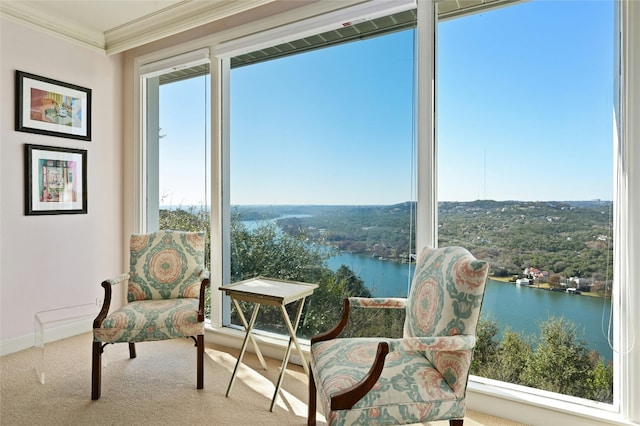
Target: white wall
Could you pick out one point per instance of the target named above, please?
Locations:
(47, 262)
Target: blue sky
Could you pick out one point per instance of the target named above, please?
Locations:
(332, 126)
(184, 113)
(524, 112)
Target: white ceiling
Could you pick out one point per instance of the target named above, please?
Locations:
(113, 26)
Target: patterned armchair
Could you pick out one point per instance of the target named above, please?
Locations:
(165, 296)
(423, 375)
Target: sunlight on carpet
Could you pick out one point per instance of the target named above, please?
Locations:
(261, 385)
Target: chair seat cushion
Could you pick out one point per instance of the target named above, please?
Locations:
(147, 320)
(409, 390)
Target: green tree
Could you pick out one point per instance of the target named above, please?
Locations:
(265, 251)
(486, 350)
(560, 362)
(601, 382)
(513, 357)
(354, 285)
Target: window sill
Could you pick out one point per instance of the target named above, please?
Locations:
(534, 406)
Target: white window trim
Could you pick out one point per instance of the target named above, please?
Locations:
(312, 26)
(629, 365)
(174, 63)
(427, 184)
(483, 396)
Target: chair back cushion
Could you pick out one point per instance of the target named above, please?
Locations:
(446, 293)
(165, 265)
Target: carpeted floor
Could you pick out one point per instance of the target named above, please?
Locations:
(156, 388)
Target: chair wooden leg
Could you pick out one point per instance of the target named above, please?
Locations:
(132, 350)
(96, 371)
(456, 422)
(311, 414)
(200, 367)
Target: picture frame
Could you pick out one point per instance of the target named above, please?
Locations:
(51, 107)
(55, 180)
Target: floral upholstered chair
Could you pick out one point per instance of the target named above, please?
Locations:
(423, 375)
(165, 296)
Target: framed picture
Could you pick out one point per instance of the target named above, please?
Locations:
(51, 107)
(55, 180)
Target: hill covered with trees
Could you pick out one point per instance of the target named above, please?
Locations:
(565, 239)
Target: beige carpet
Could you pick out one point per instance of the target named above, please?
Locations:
(156, 388)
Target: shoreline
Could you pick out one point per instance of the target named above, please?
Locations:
(507, 280)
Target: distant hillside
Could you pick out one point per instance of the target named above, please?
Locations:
(567, 239)
(564, 238)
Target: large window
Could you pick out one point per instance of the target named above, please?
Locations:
(525, 173)
(321, 173)
(326, 146)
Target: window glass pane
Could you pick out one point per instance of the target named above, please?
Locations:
(184, 142)
(321, 173)
(178, 146)
(525, 180)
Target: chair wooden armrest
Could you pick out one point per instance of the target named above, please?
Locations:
(347, 398)
(106, 303)
(204, 283)
(337, 329)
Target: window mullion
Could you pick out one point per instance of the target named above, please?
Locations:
(426, 229)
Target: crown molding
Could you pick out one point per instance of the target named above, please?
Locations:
(34, 18)
(173, 20)
(166, 22)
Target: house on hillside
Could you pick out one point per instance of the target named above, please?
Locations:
(582, 284)
(535, 273)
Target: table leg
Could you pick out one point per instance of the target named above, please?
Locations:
(292, 330)
(247, 337)
(292, 339)
(253, 341)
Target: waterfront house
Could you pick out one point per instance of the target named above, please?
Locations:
(581, 282)
(535, 273)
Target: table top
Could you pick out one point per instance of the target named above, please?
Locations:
(269, 290)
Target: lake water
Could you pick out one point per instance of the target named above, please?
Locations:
(519, 308)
